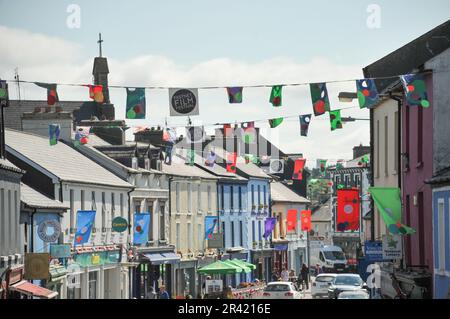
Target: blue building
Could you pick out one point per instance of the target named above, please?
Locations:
(441, 234)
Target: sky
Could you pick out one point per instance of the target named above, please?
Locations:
(210, 43)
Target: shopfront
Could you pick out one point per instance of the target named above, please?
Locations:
(185, 278)
(280, 257)
(262, 258)
(235, 280)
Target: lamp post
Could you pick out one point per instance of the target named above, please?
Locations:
(4, 102)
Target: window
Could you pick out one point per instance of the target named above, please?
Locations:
(93, 203)
(231, 198)
(337, 179)
(178, 241)
(209, 198)
(222, 197)
(82, 200)
(93, 285)
(162, 222)
(137, 207)
(200, 235)
(152, 220)
(377, 173)
(189, 194)
(357, 179)
(407, 127)
(347, 180)
(189, 235)
(240, 198)
(11, 222)
(386, 146)
(260, 230)
(113, 205)
(421, 212)
(3, 217)
(441, 235)
(177, 196)
(419, 134)
(253, 195)
(259, 194)
(253, 231)
(396, 141)
(199, 197)
(72, 213)
(232, 234)
(121, 205)
(264, 194)
(16, 208)
(223, 232)
(103, 211)
(241, 234)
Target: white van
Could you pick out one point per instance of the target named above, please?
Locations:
(330, 258)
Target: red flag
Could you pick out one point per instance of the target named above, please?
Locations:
(306, 220)
(96, 93)
(298, 169)
(291, 220)
(227, 130)
(231, 162)
(347, 210)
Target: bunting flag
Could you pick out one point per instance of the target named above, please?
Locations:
(275, 122)
(298, 169)
(135, 108)
(291, 220)
(364, 161)
(4, 96)
(275, 95)
(235, 94)
(85, 222)
(347, 218)
(52, 94)
(305, 218)
(210, 225)
(183, 102)
(81, 135)
(249, 133)
(210, 159)
(304, 124)
(269, 226)
(227, 130)
(388, 202)
(335, 120)
(190, 157)
(141, 228)
(251, 158)
(319, 97)
(415, 90)
(53, 133)
(340, 164)
(231, 162)
(367, 93)
(322, 166)
(96, 93)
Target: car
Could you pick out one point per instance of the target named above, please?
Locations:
(357, 294)
(319, 287)
(345, 282)
(281, 290)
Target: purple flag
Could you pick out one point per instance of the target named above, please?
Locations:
(269, 226)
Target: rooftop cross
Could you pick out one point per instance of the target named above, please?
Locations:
(100, 43)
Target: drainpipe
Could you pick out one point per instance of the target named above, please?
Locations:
(32, 230)
(130, 271)
(372, 177)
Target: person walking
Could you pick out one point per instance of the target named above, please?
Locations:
(163, 294)
(318, 270)
(303, 277)
(284, 275)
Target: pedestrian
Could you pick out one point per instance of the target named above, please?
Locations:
(163, 294)
(292, 276)
(274, 276)
(151, 293)
(227, 293)
(318, 270)
(284, 275)
(304, 274)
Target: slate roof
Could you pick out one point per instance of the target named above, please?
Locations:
(61, 160)
(7, 165)
(32, 198)
(323, 214)
(443, 177)
(281, 193)
(179, 168)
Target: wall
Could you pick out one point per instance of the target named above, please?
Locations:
(255, 218)
(418, 135)
(37, 123)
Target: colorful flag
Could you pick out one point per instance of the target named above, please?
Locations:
(347, 210)
(340, 164)
(415, 89)
(364, 161)
(298, 169)
(210, 159)
(52, 94)
(304, 124)
(305, 218)
(53, 132)
(291, 220)
(249, 133)
(275, 122)
(85, 222)
(4, 96)
(235, 94)
(96, 93)
(269, 226)
(227, 130)
(81, 135)
(319, 97)
(190, 157)
(323, 166)
(210, 224)
(388, 202)
(367, 93)
(251, 158)
(135, 108)
(335, 119)
(275, 95)
(183, 102)
(231, 162)
(141, 228)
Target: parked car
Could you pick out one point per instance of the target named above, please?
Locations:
(319, 287)
(345, 282)
(281, 290)
(357, 294)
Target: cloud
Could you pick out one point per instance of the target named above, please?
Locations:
(43, 58)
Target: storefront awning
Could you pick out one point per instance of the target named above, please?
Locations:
(162, 258)
(30, 289)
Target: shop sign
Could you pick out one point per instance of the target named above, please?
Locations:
(37, 266)
(119, 224)
(49, 230)
(373, 250)
(213, 286)
(392, 247)
(60, 251)
(216, 241)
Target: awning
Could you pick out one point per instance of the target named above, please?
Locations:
(162, 258)
(30, 289)
(219, 268)
(237, 264)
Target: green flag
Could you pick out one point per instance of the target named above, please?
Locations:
(190, 157)
(275, 122)
(323, 166)
(335, 119)
(275, 95)
(389, 204)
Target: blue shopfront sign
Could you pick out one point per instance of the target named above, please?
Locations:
(373, 250)
(281, 247)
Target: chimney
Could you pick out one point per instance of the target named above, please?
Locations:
(37, 122)
(112, 131)
(360, 150)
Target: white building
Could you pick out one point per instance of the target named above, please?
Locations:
(62, 173)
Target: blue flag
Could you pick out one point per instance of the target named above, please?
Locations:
(210, 224)
(269, 226)
(85, 222)
(141, 228)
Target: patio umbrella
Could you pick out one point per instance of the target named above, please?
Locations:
(244, 263)
(219, 268)
(236, 263)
